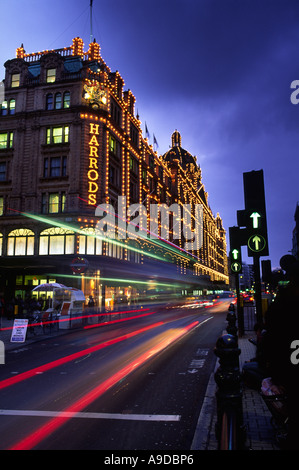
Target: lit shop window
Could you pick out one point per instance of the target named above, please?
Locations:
(6, 140)
(20, 242)
(88, 244)
(56, 241)
(1, 205)
(51, 75)
(58, 135)
(15, 80)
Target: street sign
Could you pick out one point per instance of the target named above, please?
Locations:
(18, 334)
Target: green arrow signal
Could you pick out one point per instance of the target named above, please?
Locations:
(235, 253)
(256, 243)
(255, 216)
(235, 267)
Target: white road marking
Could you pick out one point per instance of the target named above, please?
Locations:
(66, 414)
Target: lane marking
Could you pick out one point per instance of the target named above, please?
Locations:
(88, 415)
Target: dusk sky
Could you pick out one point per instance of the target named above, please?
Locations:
(218, 71)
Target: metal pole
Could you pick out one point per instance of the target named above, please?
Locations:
(91, 35)
(258, 289)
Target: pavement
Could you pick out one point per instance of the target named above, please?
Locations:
(260, 434)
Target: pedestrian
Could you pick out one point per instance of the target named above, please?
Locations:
(282, 325)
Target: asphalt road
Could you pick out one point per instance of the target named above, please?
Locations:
(138, 385)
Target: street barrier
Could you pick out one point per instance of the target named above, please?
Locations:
(229, 430)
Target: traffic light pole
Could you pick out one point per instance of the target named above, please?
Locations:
(240, 312)
(258, 289)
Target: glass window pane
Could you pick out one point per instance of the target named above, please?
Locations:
(43, 245)
(57, 245)
(49, 101)
(48, 136)
(10, 246)
(55, 166)
(1, 244)
(82, 240)
(66, 134)
(20, 246)
(98, 246)
(4, 107)
(57, 135)
(15, 80)
(30, 246)
(12, 106)
(90, 245)
(3, 140)
(53, 203)
(51, 75)
(66, 99)
(2, 171)
(58, 101)
(69, 244)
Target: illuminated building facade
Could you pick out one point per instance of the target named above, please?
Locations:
(70, 140)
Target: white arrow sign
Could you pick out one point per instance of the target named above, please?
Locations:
(255, 216)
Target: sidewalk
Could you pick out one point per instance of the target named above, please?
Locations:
(6, 330)
(260, 434)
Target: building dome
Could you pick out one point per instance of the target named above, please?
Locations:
(178, 153)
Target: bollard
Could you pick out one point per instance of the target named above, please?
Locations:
(231, 319)
(229, 426)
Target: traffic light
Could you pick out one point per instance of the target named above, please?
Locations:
(254, 216)
(235, 250)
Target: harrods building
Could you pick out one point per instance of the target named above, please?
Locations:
(70, 139)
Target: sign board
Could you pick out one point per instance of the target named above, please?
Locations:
(19, 331)
(79, 265)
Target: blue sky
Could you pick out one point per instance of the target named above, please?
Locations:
(218, 71)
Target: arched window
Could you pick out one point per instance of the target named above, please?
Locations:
(12, 106)
(58, 101)
(66, 99)
(89, 244)
(49, 101)
(56, 241)
(20, 242)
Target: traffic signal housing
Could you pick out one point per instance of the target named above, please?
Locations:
(235, 250)
(254, 217)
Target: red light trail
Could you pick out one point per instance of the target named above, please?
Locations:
(44, 431)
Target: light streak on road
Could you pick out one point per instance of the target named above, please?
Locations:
(58, 362)
(121, 312)
(44, 431)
